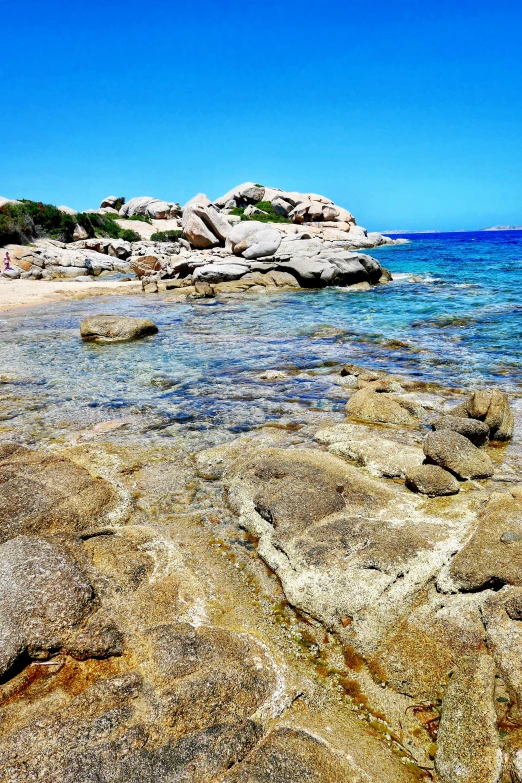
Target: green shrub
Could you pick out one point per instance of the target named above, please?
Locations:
(129, 236)
(266, 206)
(167, 236)
(143, 218)
(119, 203)
(22, 223)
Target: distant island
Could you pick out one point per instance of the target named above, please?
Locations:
(455, 231)
(502, 228)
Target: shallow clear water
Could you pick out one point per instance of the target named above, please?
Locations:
(453, 315)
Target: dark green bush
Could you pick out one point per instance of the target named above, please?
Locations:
(142, 218)
(167, 236)
(119, 203)
(22, 223)
(266, 206)
(129, 236)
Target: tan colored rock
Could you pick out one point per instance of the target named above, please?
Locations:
(115, 328)
(432, 481)
(41, 493)
(494, 552)
(492, 407)
(198, 233)
(144, 265)
(457, 454)
(474, 430)
(468, 742)
(501, 614)
(282, 279)
(80, 233)
(369, 405)
(382, 456)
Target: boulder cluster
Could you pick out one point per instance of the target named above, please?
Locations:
(249, 230)
(422, 586)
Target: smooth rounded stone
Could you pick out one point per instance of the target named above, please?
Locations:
(260, 244)
(468, 742)
(486, 559)
(44, 595)
(147, 205)
(432, 481)
(510, 537)
(472, 429)
(109, 202)
(218, 273)
(246, 192)
(283, 279)
(42, 493)
(457, 454)
(243, 230)
(369, 405)
(492, 407)
(115, 328)
(118, 248)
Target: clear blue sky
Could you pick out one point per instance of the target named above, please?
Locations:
(407, 113)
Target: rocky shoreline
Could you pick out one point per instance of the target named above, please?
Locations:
(313, 242)
(334, 600)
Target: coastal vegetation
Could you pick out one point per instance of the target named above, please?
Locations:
(167, 236)
(266, 213)
(21, 223)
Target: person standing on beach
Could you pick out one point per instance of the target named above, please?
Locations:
(7, 262)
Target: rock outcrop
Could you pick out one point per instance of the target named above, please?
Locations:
(115, 328)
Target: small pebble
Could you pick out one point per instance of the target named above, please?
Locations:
(510, 537)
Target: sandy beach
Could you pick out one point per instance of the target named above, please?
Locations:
(30, 293)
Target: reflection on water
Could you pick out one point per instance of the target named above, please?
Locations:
(453, 316)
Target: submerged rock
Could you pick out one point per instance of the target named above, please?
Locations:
(115, 328)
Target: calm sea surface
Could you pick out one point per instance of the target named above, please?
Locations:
(453, 315)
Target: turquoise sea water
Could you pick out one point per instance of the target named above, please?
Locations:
(453, 315)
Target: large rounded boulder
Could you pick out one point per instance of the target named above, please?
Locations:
(115, 328)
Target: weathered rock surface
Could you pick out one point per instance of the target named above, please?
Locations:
(115, 328)
(43, 493)
(472, 429)
(261, 243)
(44, 596)
(457, 454)
(151, 207)
(492, 407)
(370, 405)
(468, 742)
(432, 480)
(383, 457)
(343, 545)
(493, 555)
